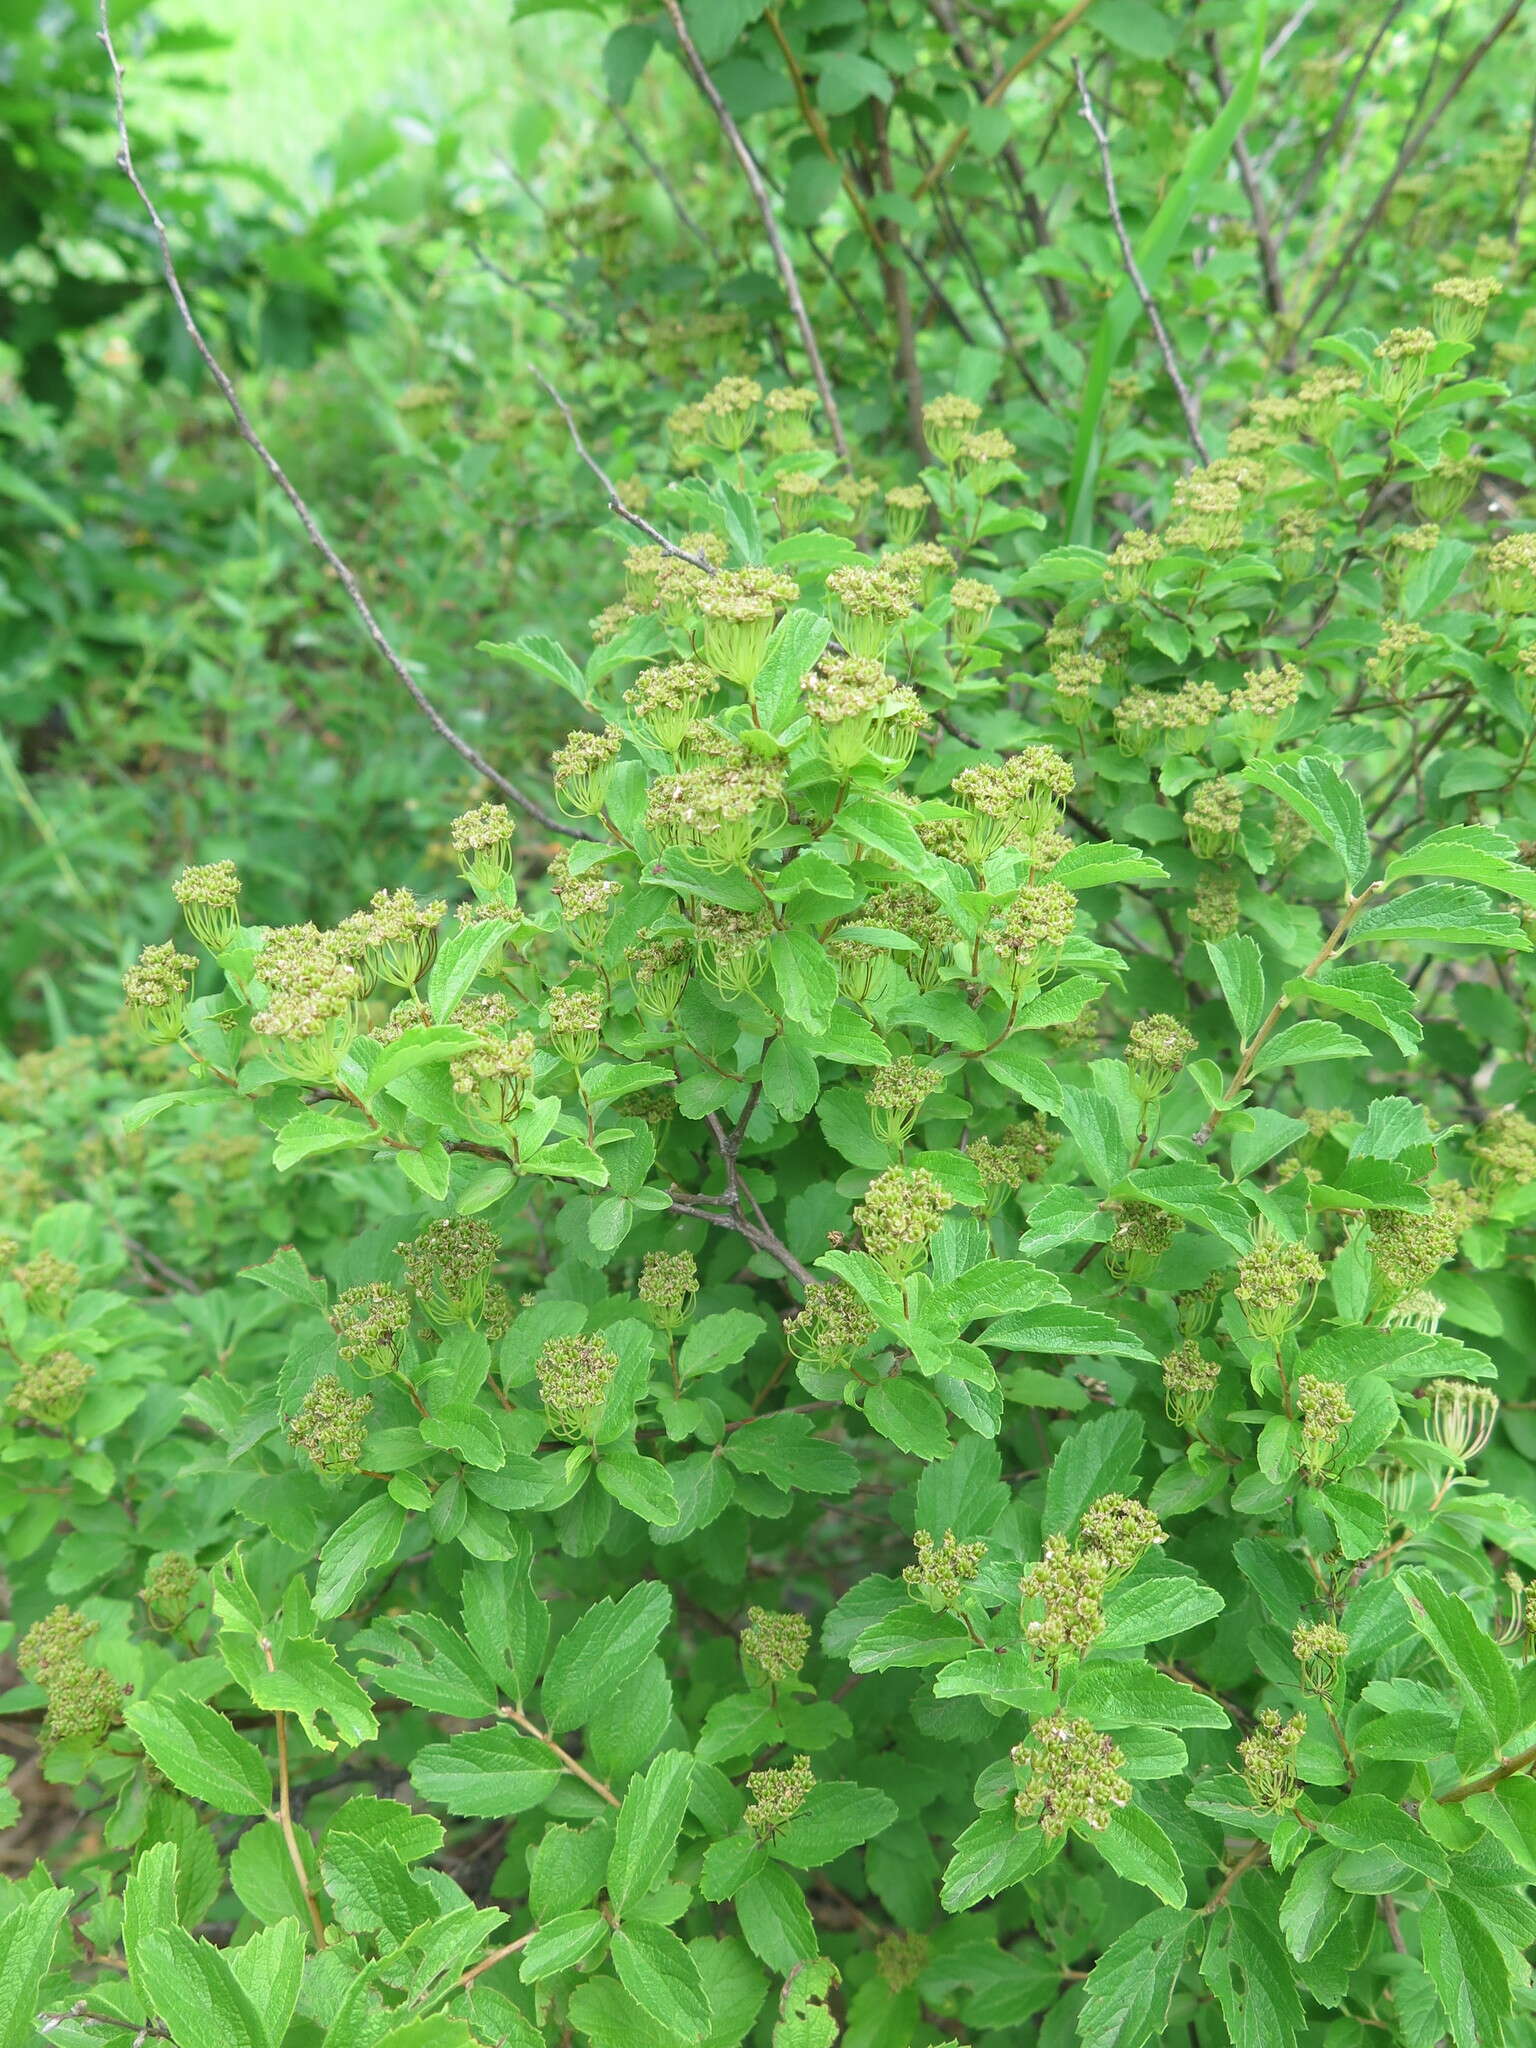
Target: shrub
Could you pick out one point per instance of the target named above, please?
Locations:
(876, 1444)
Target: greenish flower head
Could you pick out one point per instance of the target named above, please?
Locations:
(1268, 1759)
(774, 1646)
(1319, 1649)
(482, 840)
(669, 1285)
(899, 1215)
(947, 423)
(1157, 1048)
(1069, 1776)
(331, 1427)
(1275, 1287)
(50, 1390)
(1143, 1232)
(1068, 1584)
(944, 1570)
(574, 1375)
(869, 608)
(833, 1326)
(583, 768)
(1326, 1413)
(83, 1702)
(667, 701)
(1213, 817)
(157, 989)
(210, 902)
(370, 1324)
(1189, 1383)
(1121, 1531)
(170, 1590)
(896, 1095)
(775, 1797)
(448, 1266)
(1461, 1417)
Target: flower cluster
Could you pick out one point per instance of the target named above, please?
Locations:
(1071, 1776)
(669, 1283)
(1213, 817)
(448, 1266)
(50, 1390)
(1273, 1283)
(1268, 1758)
(482, 839)
(331, 1427)
(583, 768)
(1012, 803)
(157, 989)
(1121, 1531)
(1326, 1413)
(832, 1326)
(896, 1094)
(901, 1210)
(83, 1701)
(1021, 1152)
(1157, 1048)
(313, 990)
(776, 1645)
(209, 897)
(1319, 1648)
(170, 1589)
(1069, 1585)
(574, 1375)
(944, 1569)
(370, 1324)
(775, 1797)
(1143, 1232)
(1189, 1383)
(1461, 1417)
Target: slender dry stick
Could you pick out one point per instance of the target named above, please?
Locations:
(1133, 270)
(1269, 260)
(764, 204)
(497, 1955)
(1522, 189)
(615, 503)
(673, 196)
(279, 476)
(1303, 189)
(1000, 86)
(285, 1801)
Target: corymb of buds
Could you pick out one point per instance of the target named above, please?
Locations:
(896, 1095)
(1131, 563)
(50, 1390)
(1407, 1249)
(1276, 1284)
(906, 511)
(370, 1324)
(738, 608)
(901, 1210)
(728, 415)
(731, 946)
(210, 902)
(1503, 1152)
(947, 421)
(1157, 1048)
(1070, 1776)
(1269, 1760)
(846, 700)
(1461, 305)
(46, 1281)
(789, 412)
(83, 1700)
(1189, 1384)
(944, 1569)
(448, 1268)
(832, 1327)
(1018, 1154)
(1070, 1586)
(971, 605)
(1031, 932)
(1267, 698)
(331, 1427)
(1325, 1411)
(1404, 362)
(492, 1078)
(583, 768)
(666, 701)
(1197, 1306)
(923, 567)
(902, 1958)
(669, 1285)
(1461, 1417)
(1319, 1649)
(482, 839)
(586, 898)
(721, 815)
(1189, 714)
(1014, 803)
(1511, 573)
(170, 1590)
(775, 1797)
(1121, 1531)
(313, 990)
(157, 988)
(774, 1647)
(984, 458)
(1441, 492)
(869, 608)
(574, 1017)
(658, 971)
(394, 939)
(575, 1374)
(1213, 817)
(1142, 1234)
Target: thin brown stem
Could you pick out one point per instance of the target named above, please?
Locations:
(788, 276)
(285, 1814)
(1001, 84)
(563, 1756)
(615, 503)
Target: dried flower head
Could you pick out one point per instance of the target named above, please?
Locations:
(1070, 1585)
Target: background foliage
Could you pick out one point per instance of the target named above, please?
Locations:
(416, 1724)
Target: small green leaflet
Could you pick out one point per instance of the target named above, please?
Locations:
(1304, 1044)
(1239, 967)
(1371, 993)
(201, 1754)
(1136, 1848)
(1315, 789)
(1439, 914)
(1130, 1988)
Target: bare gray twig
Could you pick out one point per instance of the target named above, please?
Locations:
(275, 470)
(1133, 270)
(759, 191)
(615, 503)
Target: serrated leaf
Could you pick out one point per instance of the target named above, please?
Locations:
(1130, 1988)
(1137, 1849)
(1239, 969)
(1316, 790)
(201, 1754)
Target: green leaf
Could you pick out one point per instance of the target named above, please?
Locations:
(1130, 1988)
(775, 1919)
(910, 1416)
(1136, 1696)
(364, 1541)
(1439, 914)
(194, 1989)
(485, 1774)
(1468, 853)
(601, 1652)
(1304, 1044)
(314, 1131)
(423, 1045)
(786, 1449)
(467, 1432)
(908, 1639)
(833, 1820)
(645, 1834)
(1239, 969)
(461, 958)
(719, 1340)
(1369, 992)
(196, 1748)
(1469, 1969)
(1477, 1666)
(561, 1944)
(806, 978)
(1250, 1973)
(1366, 1820)
(1101, 862)
(27, 1936)
(1134, 1846)
(1197, 1194)
(1150, 1610)
(795, 645)
(1316, 790)
(1313, 1905)
(643, 1485)
(1099, 1457)
(997, 1850)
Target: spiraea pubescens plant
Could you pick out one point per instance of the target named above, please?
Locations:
(909, 1401)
